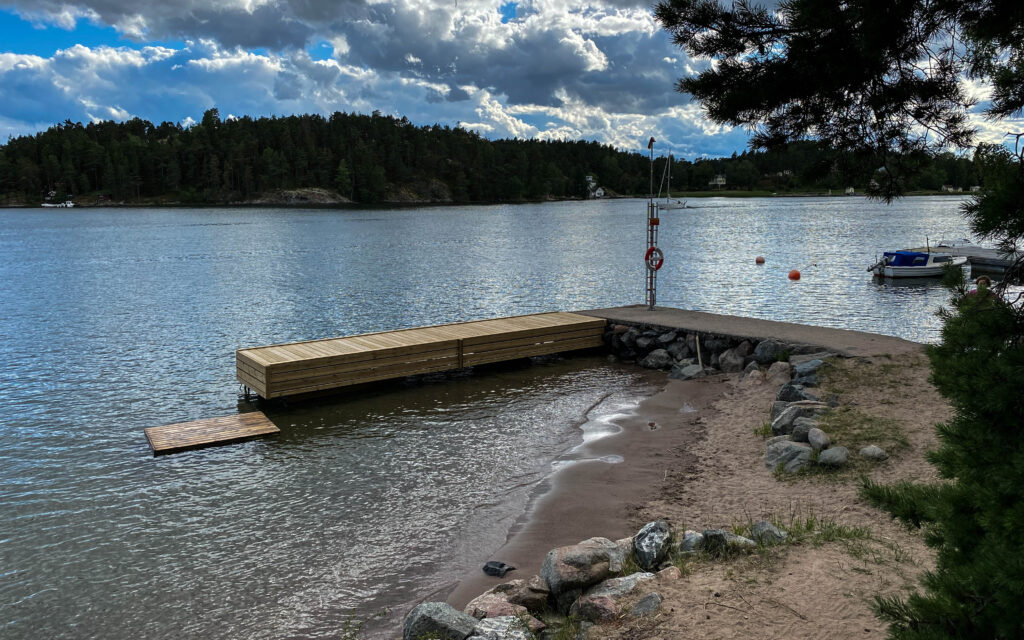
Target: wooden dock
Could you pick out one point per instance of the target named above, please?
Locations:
(203, 433)
(980, 258)
(297, 368)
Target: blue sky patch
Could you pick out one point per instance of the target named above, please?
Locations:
(508, 11)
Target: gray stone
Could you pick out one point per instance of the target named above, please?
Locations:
(603, 602)
(802, 409)
(792, 455)
(647, 605)
(569, 570)
(713, 362)
(438, 618)
(751, 367)
(744, 349)
(818, 439)
(719, 543)
(714, 345)
(692, 542)
(644, 344)
(680, 372)
(874, 452)
(766, 533)
(629, 337)
(678, 349)
(782, 438)
(777, 408)
(834, 457)
(730, 361)
(766, 351)
(650, 545)
(666, 339)
(807, 368)
(502, 628)
(808, 381)
(801, 427)
(792, 392)
(657, 359)
(778, 372)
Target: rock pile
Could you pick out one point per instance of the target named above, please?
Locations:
(798, 440)
(694, 355)
(585, 581)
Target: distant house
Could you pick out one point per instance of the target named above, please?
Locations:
(976, 188)
(593, 190)
(948, 188)
(718, 181)
(850, 191)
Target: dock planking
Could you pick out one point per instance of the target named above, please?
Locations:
(182, 436)
(296, 368)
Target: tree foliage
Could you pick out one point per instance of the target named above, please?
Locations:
(885, 80)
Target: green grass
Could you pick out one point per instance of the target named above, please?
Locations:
(764, 431)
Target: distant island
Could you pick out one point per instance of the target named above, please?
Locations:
(367, 159)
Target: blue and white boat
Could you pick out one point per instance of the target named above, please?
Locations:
(914, 264)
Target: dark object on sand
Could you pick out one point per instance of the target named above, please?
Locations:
(497, 569)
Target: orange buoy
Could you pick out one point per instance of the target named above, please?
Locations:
(759, 260)
(794, 275)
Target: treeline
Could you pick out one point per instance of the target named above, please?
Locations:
(374, 158)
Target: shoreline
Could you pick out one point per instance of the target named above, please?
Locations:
(595, 498)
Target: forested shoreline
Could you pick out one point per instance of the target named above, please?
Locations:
(376, 158)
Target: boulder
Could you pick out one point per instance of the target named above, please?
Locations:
(808, 381)
(619, 329)
(767, 351)
(669, 574)
(873, 452)
(604, 601)
(666, 339)
(751, 367)
(506, 628)
(644, 344)
(692, 542)
(678, 349)
(647, 605)
(651, 543)
(744, 349)
(792, 392)
(730, 361)
(718, 543)
(629, 337)
(793, 456)
(818, 439)
(713, 362)
(569, 570)
(688, 372)
(774, 439)
(493, 605)
(439, 619)
(777, 408)
(531, 594)
(712, 345)
(802, 409)
(657, 359)
(807, 368)
(778, 373)
(801, 427)
(834, 457)
(767, 534)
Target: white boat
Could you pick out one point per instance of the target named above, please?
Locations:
(67, 204)
(914, 264)
(669, 203)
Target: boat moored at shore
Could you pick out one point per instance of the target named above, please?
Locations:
(914, 264)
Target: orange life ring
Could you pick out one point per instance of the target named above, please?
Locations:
(654, 258)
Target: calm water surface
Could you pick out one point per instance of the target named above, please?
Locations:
(115, 320)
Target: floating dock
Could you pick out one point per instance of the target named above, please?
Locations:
(981, 258)
(203, 433)
(281, 370)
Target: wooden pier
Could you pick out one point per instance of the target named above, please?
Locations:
(980, 258)
(203, 433)
(298, 368)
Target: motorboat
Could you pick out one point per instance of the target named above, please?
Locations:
(914, 264)
(67, 204)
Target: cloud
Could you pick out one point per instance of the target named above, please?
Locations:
(596, 70)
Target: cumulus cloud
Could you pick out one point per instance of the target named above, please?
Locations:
(600, 70)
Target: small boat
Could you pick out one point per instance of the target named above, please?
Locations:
(670, 203)
(914, 264)
(67, 204)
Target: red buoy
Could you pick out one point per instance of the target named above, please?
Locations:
(759, 260)
(794, 275)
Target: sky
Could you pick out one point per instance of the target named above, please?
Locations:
(551, 69)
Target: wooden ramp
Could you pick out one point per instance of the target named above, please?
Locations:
(303, 367)
(202, 433)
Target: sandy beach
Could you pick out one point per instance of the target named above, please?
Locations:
(692, 454)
